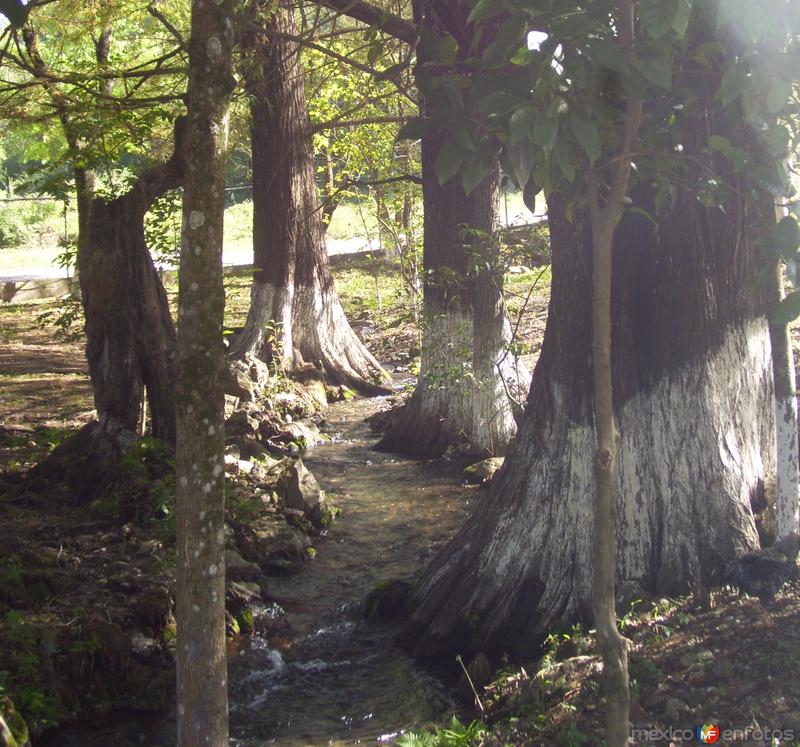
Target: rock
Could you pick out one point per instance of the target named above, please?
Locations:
(241, 423)
(247, 379)
(674, 709)
(239, 569)
(259, 372)
(245, 467)
(250, 447)
(145, 649)
(286, 398)
(231, 403)
(154, 610)
(303, 433)
(272, 544)
(480, 472)
(238, 383)
(387, 600)
(240, 595)
(301, 491)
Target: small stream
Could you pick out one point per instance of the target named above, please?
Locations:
(330, 678)
(338, 680)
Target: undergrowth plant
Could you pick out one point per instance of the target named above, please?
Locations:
(455, 734)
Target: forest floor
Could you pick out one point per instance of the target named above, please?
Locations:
(721, 659)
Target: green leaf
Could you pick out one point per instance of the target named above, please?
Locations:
(780, 91)
(522, 123)
(788, 310)
(476, 167)
(786, 237)
(610, 55)
(416, 128)
(587, 136)
(485, 9)
(497, 103)
(656, 69)
(720, 143)
(545, 130)
(521, 157)
(529, 195)
(778, 140)
(448, 161)
(641, 211)
(656, 16)
(732, 84)
(465, 139)
(448, 50)
(680, 22)
(566, 160)
(15, 11)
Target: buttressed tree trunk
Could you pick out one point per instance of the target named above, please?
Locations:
(467, 378)
(293, 288)
(693, 405)
(130, 336)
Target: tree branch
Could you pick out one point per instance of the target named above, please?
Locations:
(375, 17)
(332, 123)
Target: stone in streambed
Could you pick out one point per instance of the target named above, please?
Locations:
(387, 600)
(482, 471)
(302, 492)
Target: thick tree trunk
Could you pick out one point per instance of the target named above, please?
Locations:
(693, 405)
(293, 287)
(130, 336)
(200, 403)
(787, 482)
(467, 378)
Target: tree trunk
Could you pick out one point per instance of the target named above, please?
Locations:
(130, 336)
(467, 379)
(787, 500)
(200, 494)
(293, 286)
(466, 375)
(693, 406)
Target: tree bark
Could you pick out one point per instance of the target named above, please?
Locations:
(293, 287)
(130, 336)
(467, 379)
(200, 496)
(693, 405)
(787, 500)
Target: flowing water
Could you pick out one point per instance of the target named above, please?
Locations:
(330, 677)
(338, 679)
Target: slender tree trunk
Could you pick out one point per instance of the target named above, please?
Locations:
(293, 286)
(200, 498)
(693, 405)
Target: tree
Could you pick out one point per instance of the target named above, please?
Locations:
(293, 287)
(120, 290)
(200, 497)
(130, 335)
(692, 376)
(468, 380)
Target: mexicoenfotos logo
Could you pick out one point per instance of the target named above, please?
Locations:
(707, 733)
